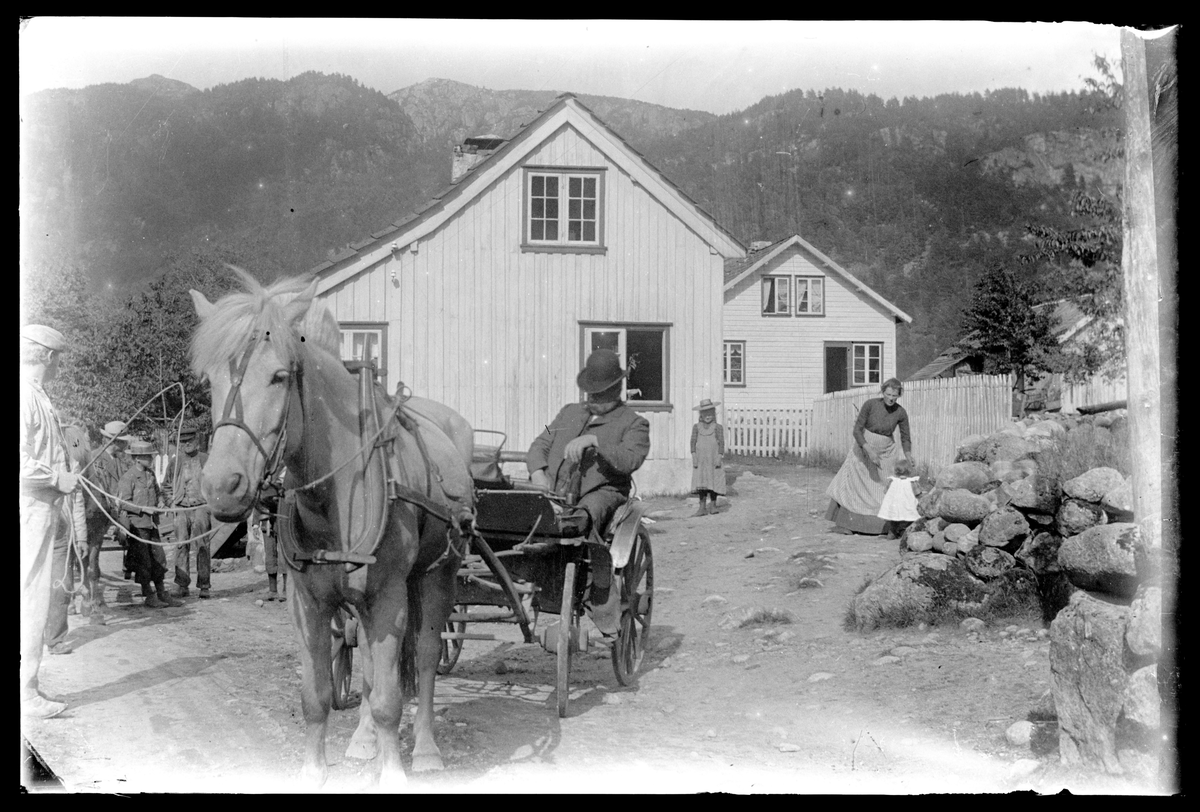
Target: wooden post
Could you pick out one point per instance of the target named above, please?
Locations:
(1151, 313)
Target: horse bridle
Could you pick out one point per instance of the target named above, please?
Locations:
(233, 412)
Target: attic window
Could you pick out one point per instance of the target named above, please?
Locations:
(777, 295)
(563, 210)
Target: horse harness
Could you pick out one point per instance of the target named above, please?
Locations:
(382, 453)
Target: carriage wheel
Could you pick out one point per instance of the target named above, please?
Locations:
(565, 621)
(637, 602)
(342, 659)
(452, 648)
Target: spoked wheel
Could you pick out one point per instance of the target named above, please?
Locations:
(345, 636)
(637, 603)
(565, 621)
(453, 647)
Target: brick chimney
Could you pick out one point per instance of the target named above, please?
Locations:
(472, 151)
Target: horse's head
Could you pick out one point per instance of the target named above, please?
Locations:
(251, 346)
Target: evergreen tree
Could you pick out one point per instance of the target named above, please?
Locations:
(1002, 325)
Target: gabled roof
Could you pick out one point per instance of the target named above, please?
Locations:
(950, 357)
(348, 262)
(739, 268)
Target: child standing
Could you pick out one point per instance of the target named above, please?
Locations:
(138, 490)
(708, 448)
(899, 505)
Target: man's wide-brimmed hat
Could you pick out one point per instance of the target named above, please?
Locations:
(706, 404)
(46, 336)
(113, 429)
(602, 371)
(141, 448)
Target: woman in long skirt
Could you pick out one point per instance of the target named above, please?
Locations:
(858, 488)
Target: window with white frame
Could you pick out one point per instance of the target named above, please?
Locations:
(364, 342)
(563, 208)
(866, 364)
(643, 350)
(735, 363)
(776, 295)
(810, 296)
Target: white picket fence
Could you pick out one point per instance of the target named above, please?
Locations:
(941, 412)
(767, 432)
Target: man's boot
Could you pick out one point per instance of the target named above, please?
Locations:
(164, 597)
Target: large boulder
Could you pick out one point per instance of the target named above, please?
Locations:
(1088, 678)
(962, 506)
(1004, 528)
(1093, 485)
(1101, 559)
(969, 476)
(1142, 704)
(927, 505)
(970, 448)
(1035, 493)
(1138, 728)
(1118, 503)
(1039, 553)
(988, 562)
(916, 590)
(1006, 446)
(1144, 635)
(1074, 517)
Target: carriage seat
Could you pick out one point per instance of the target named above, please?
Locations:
(517, 510)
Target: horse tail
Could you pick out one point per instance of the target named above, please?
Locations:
(408, 648)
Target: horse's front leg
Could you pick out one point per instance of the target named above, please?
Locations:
(311, 618)
(384, 626)
(437, 601)
(362, 743)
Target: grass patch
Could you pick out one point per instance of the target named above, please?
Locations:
(763, 616)
(1086, 447)
(850, 618)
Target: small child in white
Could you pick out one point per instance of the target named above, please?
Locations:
(899, 505)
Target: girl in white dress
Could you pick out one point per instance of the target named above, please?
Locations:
(899, 507)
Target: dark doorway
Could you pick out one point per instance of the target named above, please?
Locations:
(837, 362)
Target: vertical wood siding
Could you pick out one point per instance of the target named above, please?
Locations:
(785, 355)
(495, 333)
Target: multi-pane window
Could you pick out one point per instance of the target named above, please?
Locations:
(643, 353)
(776, 295)
(564, 208)
(866, 364)
(810, 296)
(735, 363)
(364, 343)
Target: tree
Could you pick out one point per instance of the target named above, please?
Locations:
(1003, 326)
(1087, 257)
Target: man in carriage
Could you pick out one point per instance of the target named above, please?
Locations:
(588, 454)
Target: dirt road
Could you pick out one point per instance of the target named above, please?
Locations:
(206, 697)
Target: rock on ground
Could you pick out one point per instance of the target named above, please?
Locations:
(914, 590)
(1101, 559)
(1089, 680)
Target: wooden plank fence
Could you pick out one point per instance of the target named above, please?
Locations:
(767, 432)
(941, 412)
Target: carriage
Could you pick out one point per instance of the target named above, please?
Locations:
(529, 567)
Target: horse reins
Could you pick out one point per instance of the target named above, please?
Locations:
(233, 413)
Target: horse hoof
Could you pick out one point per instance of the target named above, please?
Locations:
(360, 749)
(312, 779)
(427, 763)
(392, 781)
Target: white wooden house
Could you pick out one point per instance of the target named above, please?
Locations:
(798, 325)
(547, 245)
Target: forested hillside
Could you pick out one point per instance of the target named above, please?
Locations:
(918, 197)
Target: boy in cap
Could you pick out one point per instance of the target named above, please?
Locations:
(590, 452)
(139, 488)
(184, 475)
(45, 478)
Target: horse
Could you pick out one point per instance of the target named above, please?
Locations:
(377, 508)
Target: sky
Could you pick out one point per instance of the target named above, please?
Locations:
(714, 66)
